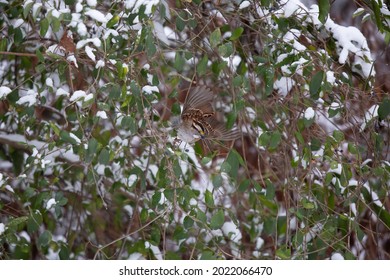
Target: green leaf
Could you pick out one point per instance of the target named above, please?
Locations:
(217, 181)
(299, 137)
(236, 33)
(3, 44)
(315, 84)
(207, 255)
(244, 185)
(179, 62)
(284, 253)
(44, 27)
(381, 212)
(226, 50)
(155, 236)
(270, 193)
(264, 139)
(156, 198)
(128, 123)
(27, 9)
(209, 199)
(202, 65)
(179, 234)
(237, 81)
(91, 150)
(377, 13)
(65, 136)
(40, 56)
(269, 80)
(225, 167)
(206, 160)
(17, 221)
(104, 156)
(324, 10)
(188, 222)
(169, 195)
(114, 92)
(64, 252)
(113, 21)
(34, 221)
(150, 46)
(384, 109)
(308, 205)
(180, 23)
(144, 215)
(358, 13)
(201, 216)
(218, 66)
(215, 38)
(55, 24)
(234, 160)
(217, 220)
(44, 239)
(338, 136)
(177, 168)
(275, 140)
(18, 36)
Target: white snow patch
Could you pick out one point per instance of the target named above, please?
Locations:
(259, 243)
(131, 180)
(2, 228)
(101, 114)
(74, 137)
(90, 54)
(150, 89)
(60, 92)
(370, 114)
(50, 203)
(49, 82)
(358, 11)
(292, 6)
(337, 169)
(96, 15)
(92, 3)
(78, 94)
(291, 37)
(351, 40)
(100, 64)
(95, 41)
(9, 188)
(109, 32)
(244, 4)
(284, 85)
(250, 112)
(36, 7)
(374, 196)
(82, 29)
(17, 23)
(335, 106)
(337, 256)
(30, 99)
(330, 78)
(56, 49)
(55, 13)
(309, 113)
(232, 229)
(88, 97)
(4, 91)
(79, 7)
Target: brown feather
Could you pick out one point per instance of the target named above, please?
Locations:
(198, 116)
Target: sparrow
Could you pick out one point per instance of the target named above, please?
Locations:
(197, 120)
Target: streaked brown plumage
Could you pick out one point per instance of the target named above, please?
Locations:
(198, 119)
